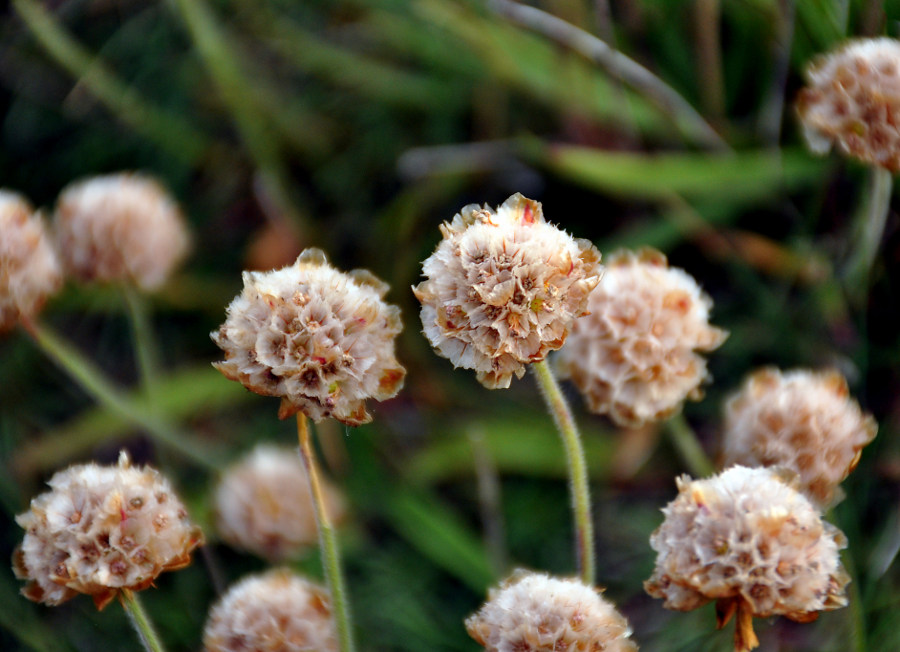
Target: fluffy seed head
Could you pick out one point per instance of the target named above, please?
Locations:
(101, 529)
(273, 612)
(853, 100)
(532, 612)
(320, 339)
(29, 267)
(633, 357)
(120, 228)
(263, 504)
(503, 288)
(801, 420)
(747, 535)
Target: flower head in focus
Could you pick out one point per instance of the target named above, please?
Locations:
(263, 504)
(852, 99)
(748, 540)
(537, 612)
(801, 420)
(272, 612)
(101, 529)
(120, 228)
(320, 339)
(503, 289)
(634, 356)
(29, 266)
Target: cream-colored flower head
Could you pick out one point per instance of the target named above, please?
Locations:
(853, 100)
(29, 267)
(503, 288)
(747, 539)
(102, 529)
(801, 420)
(273, 612)
(537, 612)
(634, 356)
(263, 504)
(120, 228)
(320, 339)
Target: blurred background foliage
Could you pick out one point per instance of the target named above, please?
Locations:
(358, 126)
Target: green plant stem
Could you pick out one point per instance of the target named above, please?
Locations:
(92, 381)
(331, 560)
(578, 477)
(685, 441)
(870, 230)
(144, 340)
(140, 621)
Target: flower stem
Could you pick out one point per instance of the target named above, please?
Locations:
(331, 560)
(140, 621)
(870, 230)
(685, 440)
(578, 477)
(144, 341)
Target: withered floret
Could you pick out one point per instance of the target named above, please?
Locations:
(801, 420)
(273, 612)
(320, 339)
(634, 356)
(503, 288)
(101, 529)
(534, 612)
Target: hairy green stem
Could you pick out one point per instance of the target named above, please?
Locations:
(331, 560)
(578, 477)
(685, 441)
(141, 622)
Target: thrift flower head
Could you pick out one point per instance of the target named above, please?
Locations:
(29, 267)
(801, 420)
(263, 504)
(503, 289)
(853, 100)
(634, 356)
(120, 228)
(320, 339)
(101, 529)
(272, 612)
(750, 541)
(535, 612)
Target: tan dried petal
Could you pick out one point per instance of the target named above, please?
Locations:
(852, 99)
(746, 535)
(273, 612)
(633, 357)
(101, 529)
(503, 289)
(801, 420)
(263, 504)
(320, 339)
(537, 612)
(29, 267)
(120, 228)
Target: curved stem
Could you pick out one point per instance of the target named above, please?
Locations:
(331, 560)
(685, 441)
(578, 477)
(871, 227)
(140, 621)
(144, 341)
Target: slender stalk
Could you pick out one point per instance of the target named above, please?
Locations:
(331, 560)
(707, 18)
(140, 621)
(870, 229)
(144, 341)
(489, 502)
(685, 441)
(578, 477)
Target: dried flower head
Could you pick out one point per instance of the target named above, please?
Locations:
(853, 100)
(750, 541)
(633, 357)
(120, 228)
(534, 612)
(29, 267)
(503, 289)
(263, 504)
(320, 339)
(801, 420)
(273, 612)
(102, 529)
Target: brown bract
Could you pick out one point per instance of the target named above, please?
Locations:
(320, 339)
(503, 289)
